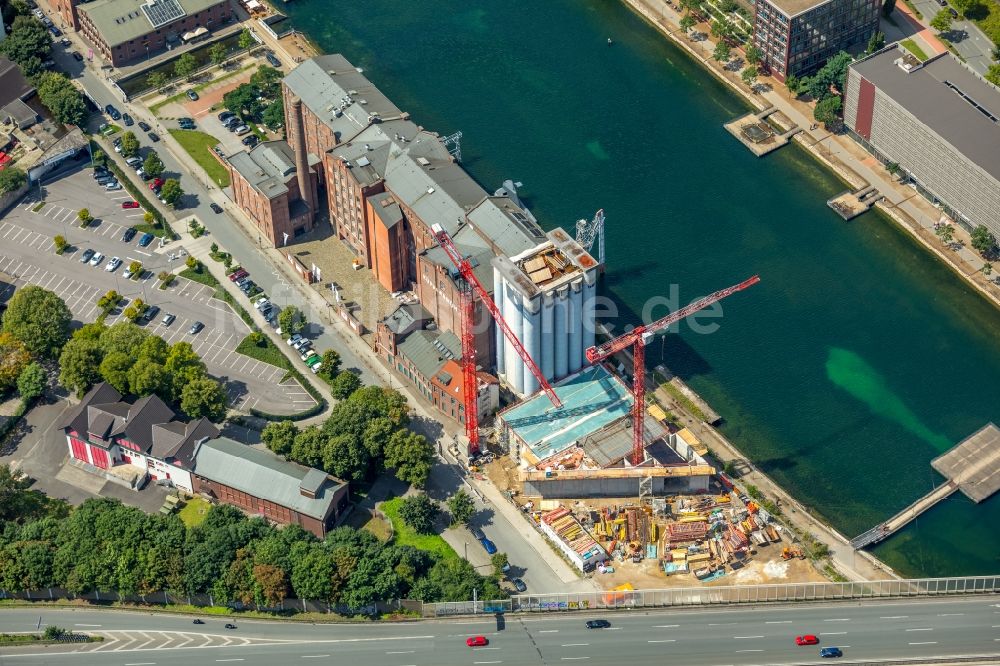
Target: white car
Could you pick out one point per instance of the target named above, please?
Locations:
(114, 185)
(290, 341)
(127, 274)
(96, 259)
(113, 264)
(261, 302)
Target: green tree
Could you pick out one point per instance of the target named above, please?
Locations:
(79, 365)
(311, 575)
(153, 165)
(27, 44)
(157, 81)
(499, 561)
(149, 378)
(887, 7)
(38, 318)
(114, 370)
(109, 301)
(411, 456)
(184, 366)
(124, 337)
(722, 29)
(833, 73)
(12, 178)
(983, 241)
(153, 349)
(344, 385)
(243, 101)
(279, 436)
(945, 233)
(987, 269)
(267, 80)
(942, 21)
(827, 110)
(291, 320)
(966, 7)
(330, 364)
(204, 397)
(345, 456)
(135, 308)
(193, 264)
(461, 507)
(14, 358)
(749, 75)
(308, 447)
(274, 114)
(135, 268)
(218, 53)
(419, 512)
(876, 42)
(185, 66)
(246, 39)
(32, 381)
(18, 503)
(892, 168)
(754, 55)
(171, 191)
(993, 74)
(722, 52)
(62, 98)
(687, 22)
(84, 216)
(60, 244)
(130, 144)
(794, 84)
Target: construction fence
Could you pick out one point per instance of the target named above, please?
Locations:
(707, 596)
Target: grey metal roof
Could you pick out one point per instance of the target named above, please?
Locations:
(386, 209)
(612, 443)
(23, 115)
(13, 85)
(924, 92)
(428, 350)
(119, 21)
(137, 426)
(264, 475)
(267, 168)
(340, 95)
(505, 224)
(182, 445)
(404, 318)
(470, 245)
(76, 418)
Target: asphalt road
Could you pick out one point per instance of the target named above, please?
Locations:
(968, 39)
(693, 637)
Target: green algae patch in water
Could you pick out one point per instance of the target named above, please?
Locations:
(853, 374)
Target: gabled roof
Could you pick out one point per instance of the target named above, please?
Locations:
(177, 440)
(506, 225)
(265, 475)
(429, 350)
(76, 419)
(137, 426)
(13, 85)
(449, 379)
(404, 318)
(387, 211)
(471, 246)
(267, 168)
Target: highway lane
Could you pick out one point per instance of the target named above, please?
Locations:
(696, 637)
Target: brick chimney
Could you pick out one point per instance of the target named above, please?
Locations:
(302, 158)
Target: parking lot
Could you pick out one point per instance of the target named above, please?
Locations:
(27, 253)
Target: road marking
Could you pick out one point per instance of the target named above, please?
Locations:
(758, 650)
(950, 614)
(86, 625)
(833, 633)
(925, 643)
(575, 644)
(839, 619)
(569, 658)
(720, 624)
(740, 637)
(480, 649)
(140, 663)
(311, 656)
(401, 652)
(665, 640)
(487, 662)
(238, 659)
(549, 631)
(665, 626)
(779, 622)
(922, 629)
(145, 253)
(894, 617)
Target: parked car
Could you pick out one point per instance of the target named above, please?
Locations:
(104, 180)
(490, 547)
(129, 235)
(192, 95)
(143, 125)
(241, 130)
(236, 275)
(195, 327)
(231, 120)
(598, 624)
(954, 14)
(112, 186)
(185, 123)
(87, 254)
(197, 621)
(65, 42)
(216, 208)
(519, 585)
(130, 204)
(133, 162)
(146, 239)
(168, 319)
(100, 171)
(250, 140)
(141, 172)
(307, 354)
(260, 301)
(807, 639)
(96, 259)
(77, 56)
(476, 641)
(225, 115)
(151, 312)
(230, 625)
(271, 58)
(55, 31)
(113, 264)
(299, 343)
(156, 184)
(829, 652)
(153, 136)
(128, 120)
(113, 112)
(128, 273)
(292, 340)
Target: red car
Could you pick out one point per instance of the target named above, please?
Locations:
(130, 204)
(476, 641)
(808, 639)
(156, 184)
(233, 277)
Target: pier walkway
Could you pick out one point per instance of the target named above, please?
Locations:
(756, 133)
(972, 466)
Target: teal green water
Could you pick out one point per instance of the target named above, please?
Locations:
(855, 361)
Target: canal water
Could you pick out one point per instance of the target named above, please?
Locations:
(855, 361)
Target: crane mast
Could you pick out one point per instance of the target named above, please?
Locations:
(472, 286)
(637, 338)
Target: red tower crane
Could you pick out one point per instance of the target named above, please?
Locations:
(637, 338)
(470, 387)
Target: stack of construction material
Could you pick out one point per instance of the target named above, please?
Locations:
(569, 530)
(678, 533)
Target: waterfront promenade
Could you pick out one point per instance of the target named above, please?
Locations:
(838, 151)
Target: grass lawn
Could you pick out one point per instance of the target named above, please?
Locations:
(194, 512)
(198, 88)
(405, 536)
(267, 354)
(199, 146)
(914, 48)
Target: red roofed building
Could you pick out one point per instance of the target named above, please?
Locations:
(449, 397)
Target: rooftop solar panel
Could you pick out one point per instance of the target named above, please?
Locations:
(162, 12)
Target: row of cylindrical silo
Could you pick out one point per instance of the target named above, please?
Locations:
(555, 326)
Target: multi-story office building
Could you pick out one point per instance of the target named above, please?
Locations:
(798, 36)
(939, 121)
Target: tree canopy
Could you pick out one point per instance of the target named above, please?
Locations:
(61, 97)
(419, 512)
(28, 45)
(461, 507)
(38, 318)
(14, 358)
